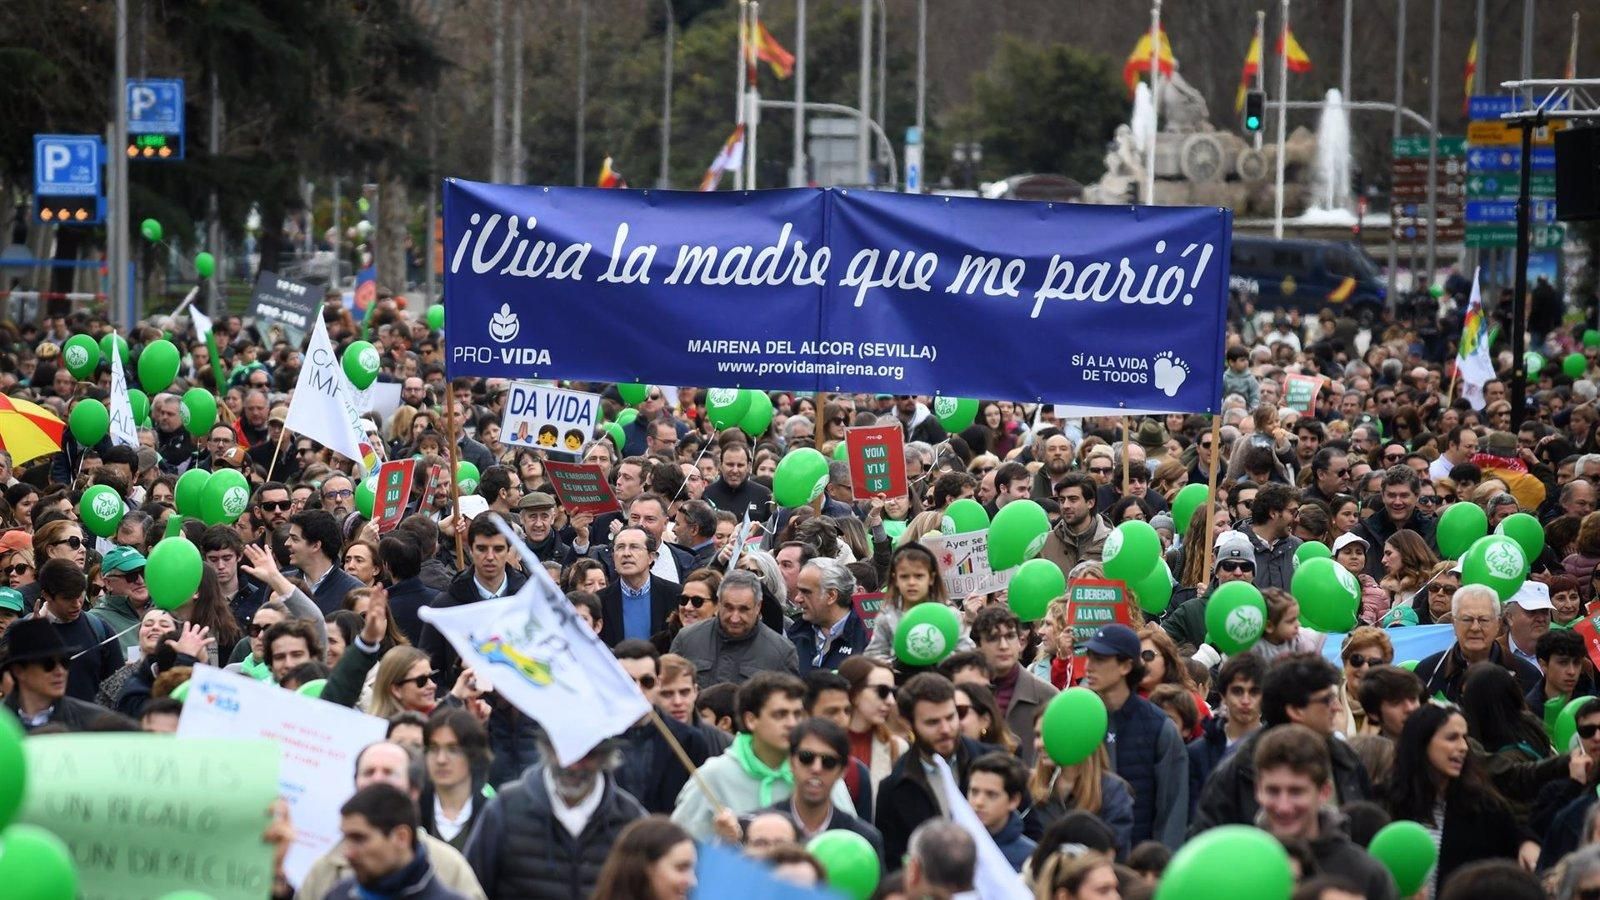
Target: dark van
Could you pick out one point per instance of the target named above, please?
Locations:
(1306, 275)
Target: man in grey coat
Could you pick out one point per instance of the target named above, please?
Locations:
(1270, 528)
(735, 645)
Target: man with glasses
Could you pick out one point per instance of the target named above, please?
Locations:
(1527, 615)
(1200, 472)
(273, 506)
(819, 751)
(338, 496)
(636, 604)
(829, 631)
(1330, 476)
(127, 597)
(36, 658)
(650, 771)
(1302, 689)
(1146, 749)
(1102, 468)
(270, 454)
(1242, 499)
(1020, 694)
(1475, 615)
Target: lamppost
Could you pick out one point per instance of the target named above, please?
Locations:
(662, 177)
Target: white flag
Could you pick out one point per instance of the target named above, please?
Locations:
(324, 409)
(124, 433)
(544, 660)
(202, 328)
(1473, 363)
(994, 879)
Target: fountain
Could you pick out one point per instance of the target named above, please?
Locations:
(1143, 120)
(1333, 154)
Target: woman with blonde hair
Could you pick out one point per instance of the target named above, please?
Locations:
(1170, 478)
(1086, 876)
(1363, 648)
(1092, 786)
(1054, 662)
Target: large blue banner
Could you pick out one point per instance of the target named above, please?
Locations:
(1115, 308)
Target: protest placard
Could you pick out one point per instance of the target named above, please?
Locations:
(964, 563)
(1094, 605)
(319, 742)
(548, 418)
(877, 457)
(868, 605)
(1300, 392)
(284, 305)
(394, 489)
(146, 815)
(581, 487)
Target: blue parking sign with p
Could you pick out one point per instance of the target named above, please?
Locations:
(67, 165)
(155, 118)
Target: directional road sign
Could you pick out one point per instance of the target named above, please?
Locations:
(1540, 237)
(1495, 185)
(1509, 159)
(1543, 210)
(155, 118)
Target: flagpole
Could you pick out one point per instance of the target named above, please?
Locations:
(453, 440)
(797, 164)
(1572, 51)
(739, 98)
(1283, 115)
(1261, 63)
(277, 452)
(752, 115)
(684, 760)
(1155, 103)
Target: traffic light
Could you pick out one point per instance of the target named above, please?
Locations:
(1255, 107)
(70, 210)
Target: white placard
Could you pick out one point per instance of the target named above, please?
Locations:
(964, 563)
(548, 418)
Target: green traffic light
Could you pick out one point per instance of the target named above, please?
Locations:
(1252, 123)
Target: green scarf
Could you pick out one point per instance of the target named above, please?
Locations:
(743, 751)
(260, 671)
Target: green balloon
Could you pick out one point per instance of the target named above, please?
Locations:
(1591, 337)
(205, 265)
(361, 363)
(467, 476)
(1131, 550)
(841, 451)
(151, 229)
(111, 339)
(190, 488)
(1236, 616)
(725, 407)
(848, 858)
(1525, 530)
(1233, 861)
(172, 572)
(1035, 584)
(1533, 361)
(758, 417)
(1435, 291)
(199, 411)
(955, 413)
(1406, 850)
(367, 495)
(225, 498)
(89, 422)
(1154, 591)
(626, 417)
(13, 768)
(1574, 365)
(1017, 534)
(436, 316)
(180, 693)
(1459, 526)
(1410, 665)
(158, 365)
(1329, 595)
(633, 393)
(1191, 498)
(1073, 726)
(964, 515)
(312, 688)
(101, 509)
(36, 865)
(614, 431)
(1567, 724)
(927, 633)
(140, 403)
(800, 478)
(82, 356)
(1495, 561)
(1310, 550)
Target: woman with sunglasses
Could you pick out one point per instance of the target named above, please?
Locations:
(697, 601)
(1163, 665)
(873, 723)
(1364, 647)
(1432, 602)
(980, 717)
(252, 662)
(18, 568)
(1439, 782)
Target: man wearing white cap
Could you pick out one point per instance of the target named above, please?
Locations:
(1235, 560)
(1527, 619)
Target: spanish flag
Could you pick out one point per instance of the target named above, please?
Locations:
(1139, 60)
(1252, 66)
(1292, 52)
(763, 46)
(609, 177)
(1468, 75)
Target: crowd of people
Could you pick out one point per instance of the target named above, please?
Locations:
(785, 710)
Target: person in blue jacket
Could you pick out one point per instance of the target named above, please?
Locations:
(995, 788)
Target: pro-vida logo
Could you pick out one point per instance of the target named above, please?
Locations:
(504, 327)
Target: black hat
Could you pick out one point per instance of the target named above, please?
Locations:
(32, 639)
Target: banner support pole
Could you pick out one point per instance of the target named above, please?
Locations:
(677, 750)
(1211, 490)
(1127, 436)
(819, 433)
(456, 433)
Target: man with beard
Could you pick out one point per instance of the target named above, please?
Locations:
(1057, 458)
(1080, 534)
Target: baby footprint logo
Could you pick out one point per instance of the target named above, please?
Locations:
(503, 325)
(1170, 372)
